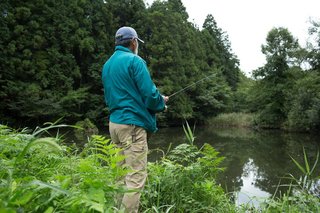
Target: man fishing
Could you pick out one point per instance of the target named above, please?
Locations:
(133, 101)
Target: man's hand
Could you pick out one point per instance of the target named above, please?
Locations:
(165, 98)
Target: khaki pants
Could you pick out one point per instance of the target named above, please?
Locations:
(133, 142)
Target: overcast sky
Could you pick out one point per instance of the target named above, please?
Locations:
(247, 22)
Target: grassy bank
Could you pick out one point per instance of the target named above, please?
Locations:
(41, 174)
(245, 120)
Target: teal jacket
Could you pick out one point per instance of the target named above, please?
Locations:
(129, 92)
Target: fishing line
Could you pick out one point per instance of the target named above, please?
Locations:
(190, 85)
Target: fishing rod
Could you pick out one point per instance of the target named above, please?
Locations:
(190, 85)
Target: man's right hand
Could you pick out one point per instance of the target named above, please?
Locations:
(165, 98)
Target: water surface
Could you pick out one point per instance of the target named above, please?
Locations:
(256, 161)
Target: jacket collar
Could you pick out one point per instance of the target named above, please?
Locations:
(122, 48)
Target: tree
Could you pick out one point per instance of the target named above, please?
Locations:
(240, 97)
(304, 113)
(273, 82)
(314, 48)
(52, 53)
(280, 48)
(48, 56)
(170, 51)
(304, 99)
(218, 51)
(176, 55)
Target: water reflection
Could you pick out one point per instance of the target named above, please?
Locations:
(249, 193)
(255, 161)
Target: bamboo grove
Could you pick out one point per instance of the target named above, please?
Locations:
(52, 52)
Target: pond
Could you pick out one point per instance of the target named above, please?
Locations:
(256, 161)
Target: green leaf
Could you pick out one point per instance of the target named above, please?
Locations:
(22, 198)
(306, 161)
(315, 163)
(96, 194)
(50, 142)
(298, 165)
(50, 186)
(188, 133)
(7, 210)
(50, 209)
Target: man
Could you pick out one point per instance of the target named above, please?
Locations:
(133, 101)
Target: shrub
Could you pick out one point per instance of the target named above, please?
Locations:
(184, 181)
(40, 175)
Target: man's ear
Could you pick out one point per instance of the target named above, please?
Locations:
(135, 42)
(132, 44)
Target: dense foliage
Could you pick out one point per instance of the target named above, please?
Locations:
(286, 93)
(191, 173)
(39, 173)
(52, 53)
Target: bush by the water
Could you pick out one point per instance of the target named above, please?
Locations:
(85, 129)
(233, 120)
(40, 174)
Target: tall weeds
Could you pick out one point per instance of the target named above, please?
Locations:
(233, 120)
(39, 174)
(184, 180)
(304, 191)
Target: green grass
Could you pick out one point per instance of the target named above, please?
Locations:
(245, 120)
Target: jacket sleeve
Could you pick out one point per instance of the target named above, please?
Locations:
(149, 92)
